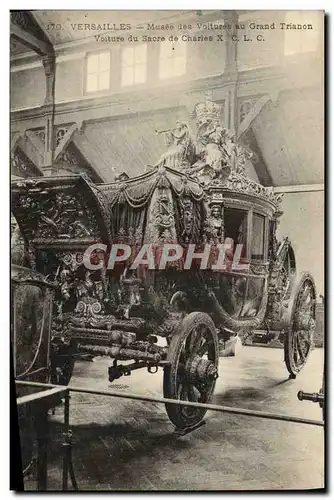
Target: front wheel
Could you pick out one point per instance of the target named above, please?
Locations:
(191, 375)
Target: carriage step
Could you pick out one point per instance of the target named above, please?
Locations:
(187, 430)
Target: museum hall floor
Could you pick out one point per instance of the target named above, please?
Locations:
(130, 445)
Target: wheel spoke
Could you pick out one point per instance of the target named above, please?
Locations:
(192, 391)
(294, 348)
(197, 337)
(202, 389)
(180, 373)
(187, 394)
(182, 392)
(300, 350)
(204, 348)
(191, 340)
(305, 293)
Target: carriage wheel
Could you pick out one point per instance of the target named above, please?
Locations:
(299, 338)
(193, 369)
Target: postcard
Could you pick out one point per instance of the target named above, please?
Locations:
(167, 250)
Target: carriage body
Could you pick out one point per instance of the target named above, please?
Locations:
(153, 316)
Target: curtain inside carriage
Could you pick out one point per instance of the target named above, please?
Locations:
(155, 210)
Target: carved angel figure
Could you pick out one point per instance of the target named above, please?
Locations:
(216, 149)
(181, 148)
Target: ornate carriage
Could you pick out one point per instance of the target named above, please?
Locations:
(160, 270)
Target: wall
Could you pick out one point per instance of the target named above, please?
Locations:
(203, 58)
(274, 40)
(290, 130)
(303, 223)
(28, 85)
(268, 51)
(27, 88)
(69, 79)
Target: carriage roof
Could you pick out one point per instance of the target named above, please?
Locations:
(72, 210)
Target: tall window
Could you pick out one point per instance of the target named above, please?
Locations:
(134, 65)
(98, 71)
(298, 41)
(236, 227)
(173, 59)
(258, 237)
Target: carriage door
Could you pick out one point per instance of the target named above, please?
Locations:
(233, 283)
(258, 251)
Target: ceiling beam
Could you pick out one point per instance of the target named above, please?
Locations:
(24, 166)
(28, 39)
(92, 156)
(65, 140)
(254, 112)
(14, 139)
(258, 161)
(30, 151)
(299, 188)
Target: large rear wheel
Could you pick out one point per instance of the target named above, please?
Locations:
(298, 340)
(191, 375)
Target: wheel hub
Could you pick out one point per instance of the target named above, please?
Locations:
(200, 370)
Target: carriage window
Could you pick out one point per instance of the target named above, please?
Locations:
(236, 226)
(289, 263)
(258, 237)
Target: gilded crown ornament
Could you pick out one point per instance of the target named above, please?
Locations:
(207, 110)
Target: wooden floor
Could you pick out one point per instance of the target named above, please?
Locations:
(130, 445)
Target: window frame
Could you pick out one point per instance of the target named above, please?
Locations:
(173, 57)
(98, 91)
(264, 258)
(245, 221)
(133, 66)
(249, 211)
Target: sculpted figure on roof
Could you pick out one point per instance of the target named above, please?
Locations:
(181, 148)
(215, 145)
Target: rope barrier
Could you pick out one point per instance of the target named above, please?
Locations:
(159, 400)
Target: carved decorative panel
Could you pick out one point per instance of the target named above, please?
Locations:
(21, 165)
(48, 215)
(60, 216)
(59, 133)
(40, 132)
(71, 159)
(68, 157)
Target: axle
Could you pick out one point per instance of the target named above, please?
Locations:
(119, 352)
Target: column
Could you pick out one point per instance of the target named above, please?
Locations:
(49, 63)
(231, 70)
